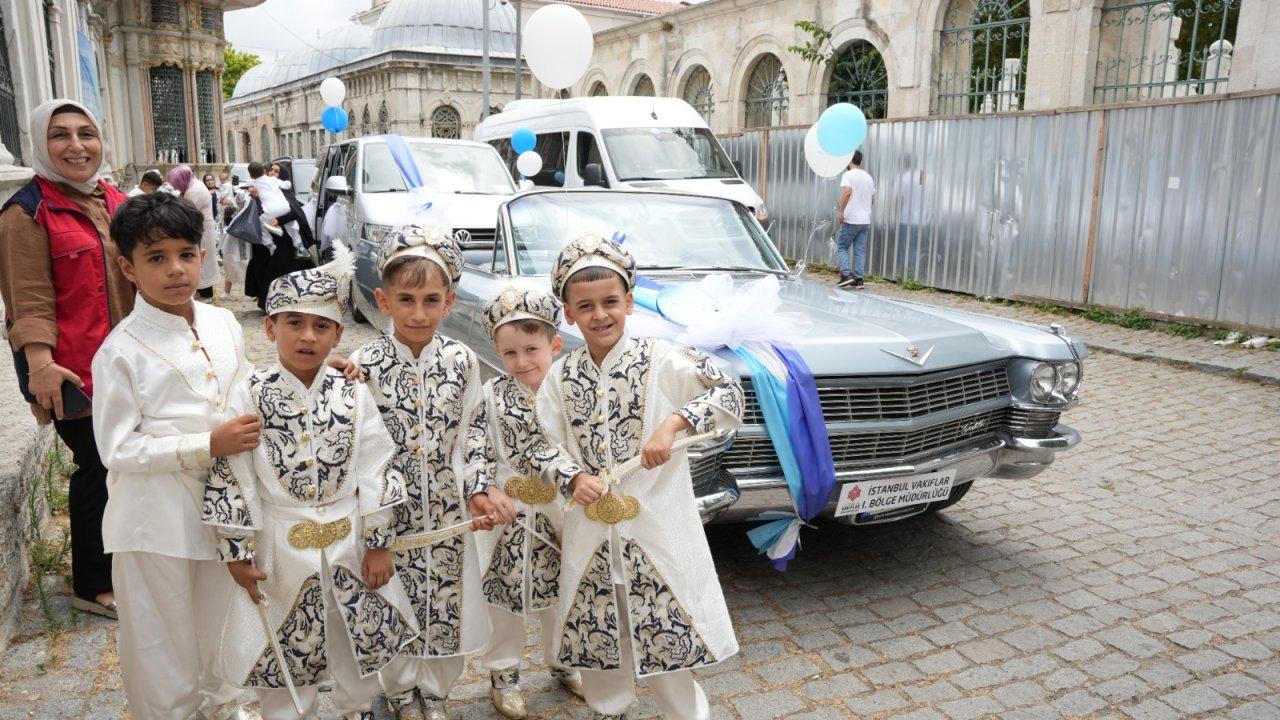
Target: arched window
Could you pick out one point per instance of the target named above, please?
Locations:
(169, 114)
(598, 90)
(563, 94)
(858, 76)
(446, 123)
(983, 59)
(266, 144)
(698, 93)
(767, 93)
(365, 124)
(1161, 48)
(384, 119)
(642, 87)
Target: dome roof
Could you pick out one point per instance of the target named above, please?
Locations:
(339, 47)
(445, 25)
(253, 80)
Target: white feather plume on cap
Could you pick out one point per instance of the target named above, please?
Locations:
(323, 291)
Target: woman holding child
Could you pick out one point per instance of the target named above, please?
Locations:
(63, 291)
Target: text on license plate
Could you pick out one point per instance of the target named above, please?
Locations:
(889, 493)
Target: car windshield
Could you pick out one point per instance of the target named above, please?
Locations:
(664, 232)
(445, 168)
(666, 154)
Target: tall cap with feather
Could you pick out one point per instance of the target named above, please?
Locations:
(323, 291)
(433, 241)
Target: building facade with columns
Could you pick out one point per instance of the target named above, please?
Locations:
(151, 70)
(732, 60)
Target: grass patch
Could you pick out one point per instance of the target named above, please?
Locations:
(1273, 345)
(1132, 319)
(1222, 334)
(50, 540)
(1180, 330)
(1050, 308)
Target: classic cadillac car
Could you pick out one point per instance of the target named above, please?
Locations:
(919, 401)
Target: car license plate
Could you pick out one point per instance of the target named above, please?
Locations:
(873, 496)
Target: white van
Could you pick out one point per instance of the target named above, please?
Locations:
(637, 142)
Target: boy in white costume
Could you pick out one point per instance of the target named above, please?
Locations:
(305, 522)
(161, 417)
(428, 389)
(634, 556)
(520, 562)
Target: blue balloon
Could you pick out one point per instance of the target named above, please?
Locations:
(841, 129)
(334, 119)
(559, 176)
(523, 140)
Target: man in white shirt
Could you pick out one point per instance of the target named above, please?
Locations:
(857, 193)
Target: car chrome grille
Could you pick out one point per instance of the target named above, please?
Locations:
(480, 238)
(1031, 423)
(854, 449)
(907, 398)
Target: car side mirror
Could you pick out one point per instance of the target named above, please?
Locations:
(337, 185)
(593, 176)
(737, 167)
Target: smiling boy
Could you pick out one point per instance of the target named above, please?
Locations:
(306, 520)
(641, 596)
(161, 417)
(428, 389)
(521, 562)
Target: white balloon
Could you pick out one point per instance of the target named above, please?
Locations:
(826, 166)
(558, 45)
(332, 91)
(529, 163)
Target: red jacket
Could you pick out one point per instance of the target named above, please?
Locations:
(82, 309)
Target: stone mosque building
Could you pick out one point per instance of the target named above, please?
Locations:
(414, 66)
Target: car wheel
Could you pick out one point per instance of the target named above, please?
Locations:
(956, 494)
(355, 305)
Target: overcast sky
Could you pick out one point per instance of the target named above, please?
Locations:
(259, 30)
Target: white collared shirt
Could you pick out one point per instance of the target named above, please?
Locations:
(160, 387)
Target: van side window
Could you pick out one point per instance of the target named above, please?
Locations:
(588, 151)
(552, 147)
(499, 251)
(349, 163)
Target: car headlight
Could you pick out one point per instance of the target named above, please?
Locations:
(1055, 383)
(373, 232)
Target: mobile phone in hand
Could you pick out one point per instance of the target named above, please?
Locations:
(74, 401)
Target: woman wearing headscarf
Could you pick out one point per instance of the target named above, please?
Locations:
(63, 291)
(296, 211)
(182, 178)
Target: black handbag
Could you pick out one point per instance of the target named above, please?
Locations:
(247, 224)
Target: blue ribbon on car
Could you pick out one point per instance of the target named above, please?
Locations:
(793, 420)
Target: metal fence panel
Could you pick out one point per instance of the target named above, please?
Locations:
(1001, 205)
(1189, 192)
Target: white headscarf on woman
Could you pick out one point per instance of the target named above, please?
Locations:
(41, 162)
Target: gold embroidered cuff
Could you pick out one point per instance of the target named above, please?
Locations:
(193, 451)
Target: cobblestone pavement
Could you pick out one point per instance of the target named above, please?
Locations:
(1138, 577)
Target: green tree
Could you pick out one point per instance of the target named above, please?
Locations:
(237, 63)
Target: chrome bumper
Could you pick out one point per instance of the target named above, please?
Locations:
(1002, 457)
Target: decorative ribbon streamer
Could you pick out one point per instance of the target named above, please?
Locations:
(785, 389)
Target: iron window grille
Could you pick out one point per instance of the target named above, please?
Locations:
(858, 76)
(209, 19)
(365, 124)
(983, 57)
(9, 133)
(384, 119)
(643, 87)
(446, 123)
(768, 94)
(266, 144)
(169, 114)
(698, 92)
(1149, 49)
(164, 12)
(206, 109)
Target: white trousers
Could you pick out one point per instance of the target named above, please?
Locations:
(434, 677)
(166, 635)
(506, 645)
(352, 694)
(611, 692)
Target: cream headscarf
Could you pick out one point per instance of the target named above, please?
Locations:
(42, 163)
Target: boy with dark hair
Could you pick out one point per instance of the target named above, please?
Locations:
(163, 378)
(148, 183)
(635, 555)
(521, 563)
(305, 522)
(428, 389)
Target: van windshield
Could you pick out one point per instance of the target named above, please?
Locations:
(444, 168)
(666, 154)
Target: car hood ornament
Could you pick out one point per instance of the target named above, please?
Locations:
(913, 356)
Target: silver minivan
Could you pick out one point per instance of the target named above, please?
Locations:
(360, 194)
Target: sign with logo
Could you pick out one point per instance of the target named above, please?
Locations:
(873, 496)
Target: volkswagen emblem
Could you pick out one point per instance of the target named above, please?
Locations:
(462, 236)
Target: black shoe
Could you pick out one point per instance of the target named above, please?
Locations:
(858, 284)
(845, 281)
(205, 293)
